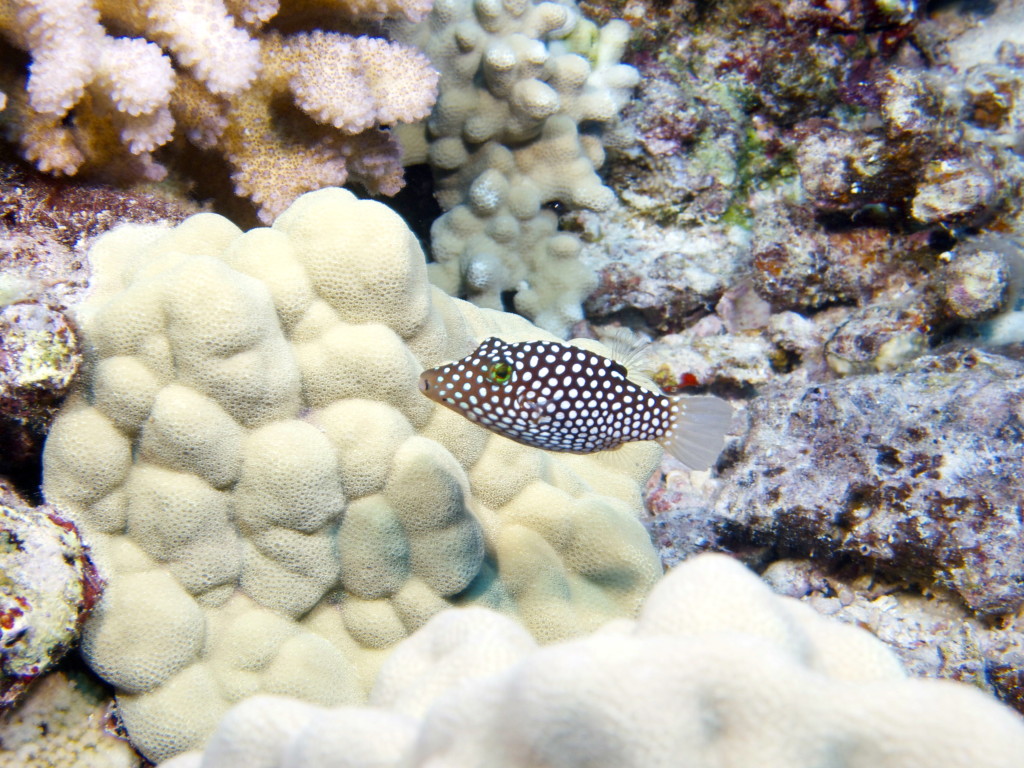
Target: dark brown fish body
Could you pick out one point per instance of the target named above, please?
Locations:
(564, 398)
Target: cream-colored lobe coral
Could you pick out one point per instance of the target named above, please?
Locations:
(249, 455)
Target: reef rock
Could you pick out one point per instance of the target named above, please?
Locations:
(913, 472)
(47, 586)
(64, 721)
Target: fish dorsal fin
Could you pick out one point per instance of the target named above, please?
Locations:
(629, 350)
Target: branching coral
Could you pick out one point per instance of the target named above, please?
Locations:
(289, 113)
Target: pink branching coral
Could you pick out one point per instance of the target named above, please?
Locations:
(289, 111)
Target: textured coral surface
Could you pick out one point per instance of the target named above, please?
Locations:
(717, 671)
(64, 720)
(527, 92)
(127, 89)
(46, 226)
(273, 501)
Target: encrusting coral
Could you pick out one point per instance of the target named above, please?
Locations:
(525, 90)
(717, 671)
(289, 112)
(272, 500)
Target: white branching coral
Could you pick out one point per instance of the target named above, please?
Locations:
(202, 35)
(354, 83)
(289, 112)
(60, 33)
(126, 84)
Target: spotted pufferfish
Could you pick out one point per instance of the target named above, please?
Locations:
(565, 398)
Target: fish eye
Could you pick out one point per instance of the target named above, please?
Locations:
(500, 373)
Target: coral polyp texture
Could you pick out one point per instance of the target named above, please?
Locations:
(272, 500)
(526, 91)
(717, 671)
(288, 112)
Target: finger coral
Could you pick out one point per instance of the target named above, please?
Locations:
(518, 80)
(272, 500)
(717, 671)
(289, 113)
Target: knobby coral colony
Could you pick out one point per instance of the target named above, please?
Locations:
(518, 79)
(273, 502)
(289, 112)
(716, 670)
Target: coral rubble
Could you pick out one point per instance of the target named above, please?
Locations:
(48, 585)
(931, 630)
(39, 356)
(64, 721)
(836, 139)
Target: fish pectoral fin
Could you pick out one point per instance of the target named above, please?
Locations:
(534, 407)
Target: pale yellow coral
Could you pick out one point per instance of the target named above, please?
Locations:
(274, 502)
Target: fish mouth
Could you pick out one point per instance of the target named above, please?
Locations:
(424, 384)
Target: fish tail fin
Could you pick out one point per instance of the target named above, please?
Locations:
(697, 431)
